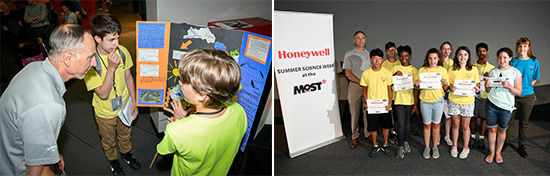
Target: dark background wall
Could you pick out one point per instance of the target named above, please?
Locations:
(427, 24)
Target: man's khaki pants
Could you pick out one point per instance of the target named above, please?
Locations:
(355, 99)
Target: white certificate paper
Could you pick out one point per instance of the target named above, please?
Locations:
(125, 114)
(465, 87)
(377, 106)
(496, 81)
(430, 80)
(404, 82)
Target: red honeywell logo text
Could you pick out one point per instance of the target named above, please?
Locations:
(283, 54)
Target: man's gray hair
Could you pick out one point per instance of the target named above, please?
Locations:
(68, 37)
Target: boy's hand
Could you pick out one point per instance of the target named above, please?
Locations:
(114, 60)
(179, 113)
(135, 112)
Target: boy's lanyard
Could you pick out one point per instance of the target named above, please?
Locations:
(114, 84)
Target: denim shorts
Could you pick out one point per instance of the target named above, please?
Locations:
(460, 109)
(431, 112)
(497, 116)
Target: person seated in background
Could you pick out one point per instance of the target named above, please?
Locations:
(68, 15)
(36, 15)
(53, 15)
(206, 142)
(12, 22)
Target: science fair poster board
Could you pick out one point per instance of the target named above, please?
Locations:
(251, 51)
(305, 74)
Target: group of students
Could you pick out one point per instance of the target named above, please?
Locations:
(494, 104)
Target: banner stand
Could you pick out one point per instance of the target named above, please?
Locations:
(306, 80)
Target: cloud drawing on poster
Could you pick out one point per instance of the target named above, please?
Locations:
(202, 33)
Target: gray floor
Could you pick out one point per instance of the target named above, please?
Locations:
(339, 159)
(80, 143)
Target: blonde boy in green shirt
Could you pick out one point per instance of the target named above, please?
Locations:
(205, 142)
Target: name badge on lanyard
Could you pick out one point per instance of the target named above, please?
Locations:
(116, 103)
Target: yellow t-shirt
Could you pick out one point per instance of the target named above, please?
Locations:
(432, 95)
(388, 65)
(448, 64)
(377, 83)
(404, 97)
(462, 74)
(102, 108)
(482, 69)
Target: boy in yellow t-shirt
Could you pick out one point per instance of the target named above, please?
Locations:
(392, 61)
(377, 86)
(206, 142)
(483, 68)
(405, 101)
(112, 87)
(388, 64)
(461, 107)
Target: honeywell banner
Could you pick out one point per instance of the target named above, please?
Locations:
(305, 75)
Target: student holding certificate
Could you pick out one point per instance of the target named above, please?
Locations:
(500, 106)
(389, 63)
(405, 100)
(378, 94)
(463, 79)
(431, 100)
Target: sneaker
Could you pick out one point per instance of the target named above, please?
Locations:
(481, 144)
(115, 168)
(375, 151)
(435, 152)
(454, 152)
(407, 147)
(426, 153)
(464, 153)
(449, 141)
(130, 160)
(400, 153)
(386, 149)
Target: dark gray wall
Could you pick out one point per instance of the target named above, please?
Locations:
(424, 25)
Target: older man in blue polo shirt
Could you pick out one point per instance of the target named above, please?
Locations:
(32, 109)
(355, 62)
